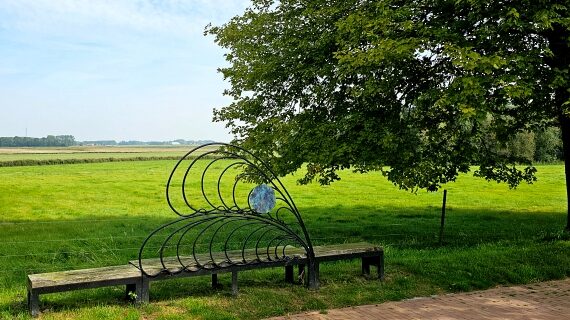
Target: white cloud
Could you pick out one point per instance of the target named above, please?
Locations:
(167, 16)
(68, 66)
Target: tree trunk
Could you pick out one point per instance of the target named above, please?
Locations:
(558, 38)
(565, 128)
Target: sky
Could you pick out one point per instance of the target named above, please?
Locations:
(112, 69)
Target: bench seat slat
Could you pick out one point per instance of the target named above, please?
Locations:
(85, 278)
(322, 253)
(346, 251)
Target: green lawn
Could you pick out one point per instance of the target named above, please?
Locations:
(87, 215)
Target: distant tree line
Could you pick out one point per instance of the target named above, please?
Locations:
(531, 146)
(69, 140)
(49, 141)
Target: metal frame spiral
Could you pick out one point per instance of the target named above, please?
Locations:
(217, 229)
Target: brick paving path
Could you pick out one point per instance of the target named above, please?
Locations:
(540, 301)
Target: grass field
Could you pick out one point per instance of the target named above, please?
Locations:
(64, 217)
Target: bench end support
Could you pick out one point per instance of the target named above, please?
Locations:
(377, 261)
(313, 276)
(33, 303)
(140, 290)
(234, 283)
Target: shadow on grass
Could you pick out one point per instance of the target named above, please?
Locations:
(419, 228)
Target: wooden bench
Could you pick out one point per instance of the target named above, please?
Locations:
(138, 287)
(264, 231)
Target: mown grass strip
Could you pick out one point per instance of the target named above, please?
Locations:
(47, 162)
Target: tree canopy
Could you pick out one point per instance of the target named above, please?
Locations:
(420, 90)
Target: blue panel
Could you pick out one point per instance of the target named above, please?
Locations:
(262, 198)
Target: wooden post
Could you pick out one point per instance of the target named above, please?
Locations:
(142, 290)
(442, 217)
(381, 266)
(215, 281)
(234, 283)
(289, 274)
(377, 261)
(366, 267)
(313, 275)
(33, 303)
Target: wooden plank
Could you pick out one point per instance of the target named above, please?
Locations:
(289, 274)
(234, 283)
(85, 278)
(129, 274)
(322, 253)
(346, 251)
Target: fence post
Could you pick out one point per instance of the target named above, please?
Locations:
(442, 217)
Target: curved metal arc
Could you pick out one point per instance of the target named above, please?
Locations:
(214, 236)
(184, 179)
(203, 220)
(194, 161)
(233, 189)
(247, 239)
(231, 234)
(184, 196)
(198, 237)
(290, 202)
(284, 247)
(293, 236)
(204, 175)
(277, 217)
(172, 175)
(171, 235)
(279, 188)
(280, 226)
(271, 178)
(234, 193)
(278, 237)
(228, 155)
(149, 237)
(258, 241)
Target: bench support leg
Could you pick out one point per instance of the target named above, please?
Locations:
(313, 275)
(234, 283)
(215, 283)
(33, 303)
(289, 274)
(377, 261)
(366, 267)
(142, 288)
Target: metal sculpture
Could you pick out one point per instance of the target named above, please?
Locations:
(233, 211)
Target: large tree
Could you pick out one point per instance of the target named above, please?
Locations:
(418, 89)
